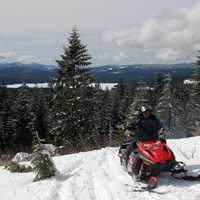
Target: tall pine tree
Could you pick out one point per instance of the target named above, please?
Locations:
(193, 111)
(196, 74)
(40, 112)
(193, 106)
(73, 96)
(179, 102)
(24, 116)
(7, 122)
(165, 104)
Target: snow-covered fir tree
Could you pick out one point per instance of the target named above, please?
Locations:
(102, 116)
(179, 102)
(40, 110)
(43, 164)
(165, 103)
(193, 111)
(155, 91)
(117, 101)
(24, 117)
(193, 105)
(7, 121)
(73, 97)
(133, 111)
(196, 74)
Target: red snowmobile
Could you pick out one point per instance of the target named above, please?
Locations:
(150, 158)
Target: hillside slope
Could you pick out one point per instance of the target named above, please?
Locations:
(97, 175)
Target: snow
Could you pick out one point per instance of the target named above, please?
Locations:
(124, 67)
(97, 175)
(103, 86)
(144, 88)
(189, 82)
(50, 148)
(116, 72)
(31, 85)
(106, 86)
(21, 157)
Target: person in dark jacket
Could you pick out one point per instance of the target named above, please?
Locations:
(147, 125)
(144, 126)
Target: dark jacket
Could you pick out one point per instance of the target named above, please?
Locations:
(147, 128)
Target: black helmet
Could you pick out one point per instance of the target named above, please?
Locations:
(145, 108)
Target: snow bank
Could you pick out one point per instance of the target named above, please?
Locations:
(97, 175)
(21, 157)
(50, 148)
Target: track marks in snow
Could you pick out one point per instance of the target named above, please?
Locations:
(110, 177)
(99, 176)
(95, 175)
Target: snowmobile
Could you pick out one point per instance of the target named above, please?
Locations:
(150, 158)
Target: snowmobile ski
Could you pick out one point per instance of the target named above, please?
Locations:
(148, 185)
(185, 176)
(146, 189)
(181, 173)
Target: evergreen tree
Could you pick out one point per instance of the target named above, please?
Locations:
(124, 102)
(40, 113)
(42, 163)
(155, 94)
(102, 117)
(115, 98)
(193, 105)
(117, 109)
(179, 102)
(24, 116)
(196, 74)
(7, 122)
(192, 112)
(73, 96)
(164, 107)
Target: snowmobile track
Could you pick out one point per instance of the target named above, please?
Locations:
(97, 175)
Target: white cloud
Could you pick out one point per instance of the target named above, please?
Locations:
(169, 37)
(35, 27)
(120, 57)
(103, 56)
(168, 55)
(9, 57)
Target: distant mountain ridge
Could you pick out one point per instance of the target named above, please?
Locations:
(142, 72)
(11, 73)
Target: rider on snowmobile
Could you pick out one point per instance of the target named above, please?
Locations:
(147, 125)
(144, 126)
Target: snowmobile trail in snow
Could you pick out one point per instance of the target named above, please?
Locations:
(98, 175)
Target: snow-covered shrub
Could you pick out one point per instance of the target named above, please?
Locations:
(16, 167)
(50, 148)
(21, 157)
(42, 164)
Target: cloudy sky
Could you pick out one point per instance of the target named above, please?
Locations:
(116, 31)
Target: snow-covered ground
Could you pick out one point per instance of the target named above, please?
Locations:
(97, 175)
